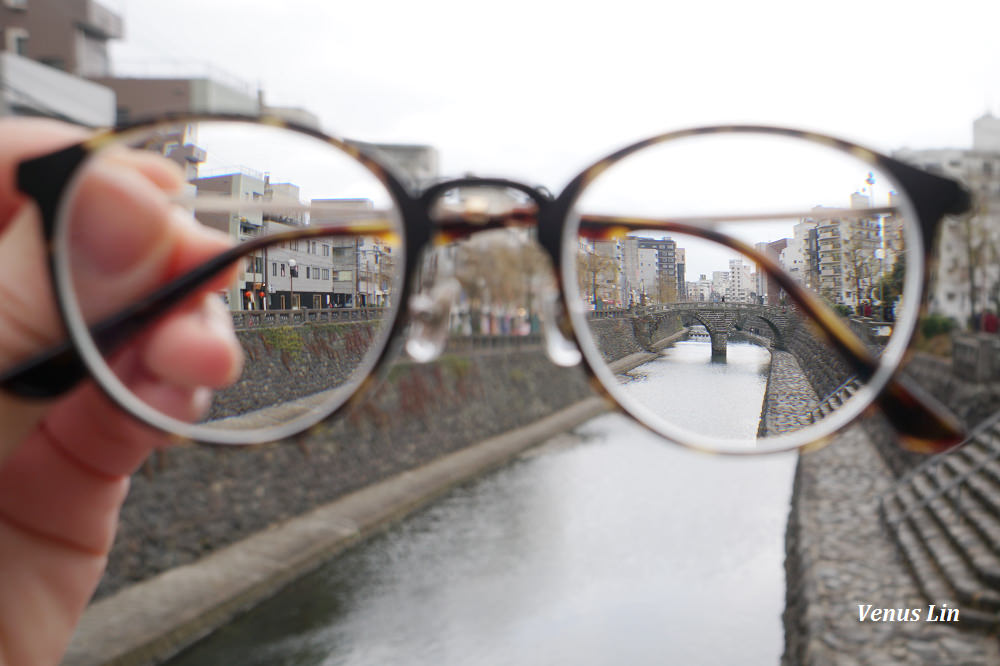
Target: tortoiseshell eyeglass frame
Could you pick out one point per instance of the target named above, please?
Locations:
(922, 423)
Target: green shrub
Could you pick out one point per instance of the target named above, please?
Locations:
(843, 310)
(936, 324)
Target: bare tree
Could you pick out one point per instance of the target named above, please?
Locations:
(595, 270)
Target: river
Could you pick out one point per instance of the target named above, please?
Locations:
(604, 546)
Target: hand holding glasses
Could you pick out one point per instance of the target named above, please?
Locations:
(317, 223)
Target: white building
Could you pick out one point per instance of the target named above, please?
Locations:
(978, 168)
(739, 287)
(700, 289)
(838, 255)
(720, 285)
(647, 271)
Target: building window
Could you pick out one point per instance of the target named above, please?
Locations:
(274, 268)
(282, 270)
(17, 41)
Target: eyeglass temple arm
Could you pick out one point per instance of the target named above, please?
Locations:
(924, 425)
(59, 368)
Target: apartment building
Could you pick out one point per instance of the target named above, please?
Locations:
(665, 288)
(48, 49)
(967, 279)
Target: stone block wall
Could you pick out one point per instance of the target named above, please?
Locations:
(618, 337)
(193, 500)
(972, 401)
(821, 365)
(615, 337)
(287, 362)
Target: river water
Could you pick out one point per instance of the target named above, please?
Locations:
(604, 546)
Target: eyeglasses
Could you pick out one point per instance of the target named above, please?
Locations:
(764, 275)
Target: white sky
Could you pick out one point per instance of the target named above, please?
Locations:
(536, 90)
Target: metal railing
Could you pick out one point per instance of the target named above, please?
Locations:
(873, 333)
(609, 313)
(467, 343)
(250, 319)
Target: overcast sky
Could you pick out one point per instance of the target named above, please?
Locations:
(536, 90)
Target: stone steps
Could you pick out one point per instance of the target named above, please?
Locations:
(835, 399)
(945, 518)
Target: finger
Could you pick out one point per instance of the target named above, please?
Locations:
(19, 417)
(165, 174)
(27, 304)
(196, 348)
(127, 189)
(91, 429)
(120, 238)
(45, 588)
(58, 497)
(67, 481)
(125, 237)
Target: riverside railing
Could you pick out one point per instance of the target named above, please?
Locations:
(250, 319)
(872, 332)
(470, 343)
(609, 313)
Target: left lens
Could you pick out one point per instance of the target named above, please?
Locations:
(666, 265)
(306, 245)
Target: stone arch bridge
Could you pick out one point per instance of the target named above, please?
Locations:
(722, 319)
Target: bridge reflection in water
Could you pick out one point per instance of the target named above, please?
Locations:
(605, 547)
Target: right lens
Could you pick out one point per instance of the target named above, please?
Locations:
(687, 328)
(286, 331)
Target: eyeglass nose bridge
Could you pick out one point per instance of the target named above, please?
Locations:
(458, 209)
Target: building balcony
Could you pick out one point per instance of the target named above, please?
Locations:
(189, 153)
(101, 21)
(30, 88)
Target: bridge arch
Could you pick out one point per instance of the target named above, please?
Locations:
(718, 336)
(777, 335)
(719, 319)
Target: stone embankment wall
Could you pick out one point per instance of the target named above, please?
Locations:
(191, 501)
(287, 362)
(620, 336)
(838, 553)
(973, 402)
(615, 337)
(822, 365)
